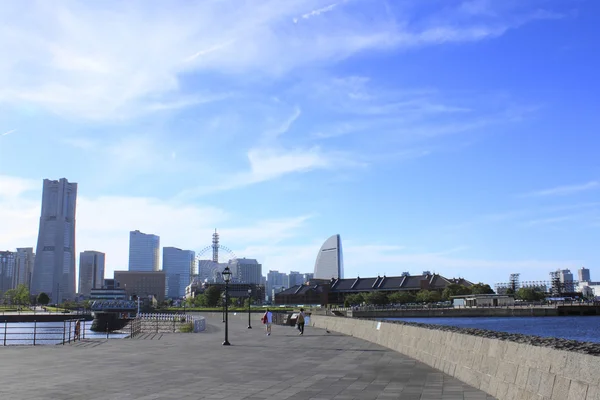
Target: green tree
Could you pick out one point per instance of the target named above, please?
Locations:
(200, 300)
(22, 295)
(402, 298)
(43, 299)
(353, 299)
(10, 296)
(377, 298)
(427, 296)
(213, 296)
(481, 288)
(529, 294)
(454, 289)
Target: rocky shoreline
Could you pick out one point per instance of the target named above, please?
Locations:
(551, 342)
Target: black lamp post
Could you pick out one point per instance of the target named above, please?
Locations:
(249, 301)
(223, 305)
(226, 277)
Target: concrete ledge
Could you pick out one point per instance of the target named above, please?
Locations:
(506, 366)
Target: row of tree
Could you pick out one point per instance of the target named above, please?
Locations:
(21, 296)
(422, 296)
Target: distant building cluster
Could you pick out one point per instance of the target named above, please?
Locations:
(51, 268)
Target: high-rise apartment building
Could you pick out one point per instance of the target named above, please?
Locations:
(308, 276)
(91, 271)
(248, 270)
(295, 278)
(54, 266)
(566, 278)
(7, 269)
(178, 266)
(143, 251)
(24, 261)
(584, 275)
(276, 282)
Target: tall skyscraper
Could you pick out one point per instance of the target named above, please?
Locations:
(584, 275)
(143, 251)
(91, 271)
(54, 267)
(24, 261)
(7, 268)
(178, 266)
(330, 259)
(248, 270)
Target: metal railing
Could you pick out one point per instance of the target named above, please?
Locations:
(159, 322)
(42, 333)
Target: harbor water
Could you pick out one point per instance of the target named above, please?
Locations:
(584, 329)
(47, 333)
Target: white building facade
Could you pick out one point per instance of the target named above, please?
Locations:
(179, 266)
(144, 252)
(54, 266)
(330, 259)
(91, 271)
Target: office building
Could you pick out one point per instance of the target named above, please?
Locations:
(248, 270)
(54, 265)
(295, 278)
(24, 261)
(142, 284)
(308, 277)
(7, 268)
(584, 275)
(178, 266)
(330, 260)
(91, 271)
(143, 252)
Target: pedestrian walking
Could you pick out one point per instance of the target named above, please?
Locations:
(77, 330)
(300, 321)
(268, 321)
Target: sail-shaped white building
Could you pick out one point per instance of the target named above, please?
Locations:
(330, 260)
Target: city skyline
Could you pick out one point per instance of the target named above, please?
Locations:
(455, 136)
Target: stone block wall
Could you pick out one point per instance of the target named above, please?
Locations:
(505, 369)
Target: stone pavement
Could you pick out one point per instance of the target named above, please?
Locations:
(284, 365)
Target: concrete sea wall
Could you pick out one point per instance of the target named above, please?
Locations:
(505, 369)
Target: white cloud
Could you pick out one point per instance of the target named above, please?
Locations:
(115, 61)
(564, 190)
(8, 132)
(272, 163)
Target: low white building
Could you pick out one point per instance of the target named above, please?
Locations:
(483, 300)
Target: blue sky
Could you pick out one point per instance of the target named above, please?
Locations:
(459, 137)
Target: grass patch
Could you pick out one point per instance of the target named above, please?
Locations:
(188, 327)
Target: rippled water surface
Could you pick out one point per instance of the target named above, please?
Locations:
(585, 329)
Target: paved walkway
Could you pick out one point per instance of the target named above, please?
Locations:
(284, 365)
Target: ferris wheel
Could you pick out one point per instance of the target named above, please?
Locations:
(209, 259)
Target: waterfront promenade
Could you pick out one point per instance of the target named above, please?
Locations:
(318, 365)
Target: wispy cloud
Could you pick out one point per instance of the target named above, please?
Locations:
(563, 190)
(316, 12)
(82, 70)
(8, 132)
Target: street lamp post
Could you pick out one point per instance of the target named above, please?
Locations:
(249, 301)
(226, 277)
(223, 305)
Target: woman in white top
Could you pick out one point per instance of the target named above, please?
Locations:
(268, 320)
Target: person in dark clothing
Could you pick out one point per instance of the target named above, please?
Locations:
(300, 321)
